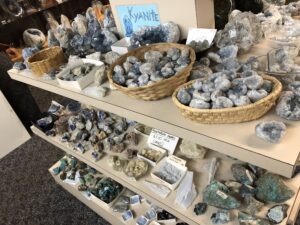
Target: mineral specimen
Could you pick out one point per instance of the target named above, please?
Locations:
(199, 46)
(79, 25)
(224, 54)
(233, 186)
(271, 188)
(19, 66)
(131, 153)
(199, 72)
(211, 167)
(254, 82)
(242, 174)
(151, 154)
(271, 131)
(136, 168)
(216, 194)
(200, 208)
(199, 104)
(184, 97)
(253, 206)
(167, 32)
(109, 190)
(220, 217)
(288, 106)
(277, 213)
(192, 150)
(256, 95)
(246, 219)
(164, 215)
(33, 37)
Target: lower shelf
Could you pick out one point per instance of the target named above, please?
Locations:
(200, 180)
(107, 213)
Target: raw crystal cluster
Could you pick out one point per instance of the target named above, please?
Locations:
(136, 168)
(200, 71)
(122, 204)
(288, 106)
(225, 89)
(246, 219)
(107, 190)
(243, 30)
(271, 131)
(217, 194)
(85, 35)
(155, 67)
(242, 174)
(192, 150)
(277, 213)
(271, 188)
(169, 173)
(78, 72)
(199, 46)
(151, 154)
(167, 32)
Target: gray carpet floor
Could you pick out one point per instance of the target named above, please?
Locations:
(28, 193)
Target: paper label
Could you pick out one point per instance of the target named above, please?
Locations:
(200, 34)
(249, 176)
(177, 160)
(163, 140)
(222, 194)
(133, 17)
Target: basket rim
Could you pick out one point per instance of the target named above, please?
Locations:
(277, 88)
(110, 71)
(44, 50)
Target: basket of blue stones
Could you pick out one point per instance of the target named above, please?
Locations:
(227, 97)
(152, 72)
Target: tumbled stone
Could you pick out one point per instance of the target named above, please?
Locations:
(184, 97)
(242, 174)
(220, 217)
(216, 194)
(200, 208)
(288, 106)
(271, 188)
(277, 213)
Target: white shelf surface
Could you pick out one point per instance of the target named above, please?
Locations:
(114, 218)
(236, 140)
(200, 180)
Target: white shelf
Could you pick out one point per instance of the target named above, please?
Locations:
(200, 180)
(236, 140)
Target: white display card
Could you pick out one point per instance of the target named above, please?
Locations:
(201, 34)
(161, 140)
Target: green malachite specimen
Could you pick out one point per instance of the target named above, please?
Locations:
(271, 188)
(216, 194)
(246, 219)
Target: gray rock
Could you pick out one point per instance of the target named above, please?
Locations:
(277, 213)
(119, 79)
(220, 217)
(95, 56)
(119, 70)
(288, 106)
(147, 68)
(174, 53)
(267, 86)
(153, 56)
(215, 94)
(240, 100)
(197, 85)
(256, 95)
(171, 31)
(248, 73)
(254, 82)
(222, 102)
(127, 66)
(199, 72)
(208, 86)
(222, 84)
(133, 59)
(79, 25)
(111, 57)
(253, 206)
(156, 77)
(271, 131)
(143, 80)
(295, 88)
(199, 104)
(205, 96)
(184, 97)
(246, 219)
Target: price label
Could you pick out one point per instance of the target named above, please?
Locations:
(161, 140)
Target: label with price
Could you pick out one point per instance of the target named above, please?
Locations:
(161, 140)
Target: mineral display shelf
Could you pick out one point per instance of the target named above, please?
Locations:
(107, 213)
(235, 140)
(200, 180)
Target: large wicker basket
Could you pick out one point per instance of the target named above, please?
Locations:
(230, 115)
(46, 60)
(162, 88)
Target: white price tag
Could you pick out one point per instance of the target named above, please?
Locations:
(161, 140)
(201, 34)
(222, 194)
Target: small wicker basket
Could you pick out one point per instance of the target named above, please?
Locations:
(162, 88)
(46, 60)
(230, 115)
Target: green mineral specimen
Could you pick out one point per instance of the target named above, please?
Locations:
(242, 174)
(246, 219)
(278, 213)
(271, 188)
(63, 164)
(216, 194)
(200, 208)
(73, 162)
(252, 205)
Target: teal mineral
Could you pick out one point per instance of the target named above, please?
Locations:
(246, 219)
(216, 194)
(271, 188)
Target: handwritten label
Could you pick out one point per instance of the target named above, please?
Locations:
(133, 17)
(249, 176)
(222, 194)
(200, 34)
(159, 139)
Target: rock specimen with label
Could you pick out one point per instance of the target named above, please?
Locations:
(277, 213)
(155, 67)
(167, 32)
(271, 131)
(288, 106)
(217, 194)
(271, 188)
(246, 219)
(220, 217)
(242, 174)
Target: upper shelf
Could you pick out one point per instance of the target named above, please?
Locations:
(236, 140)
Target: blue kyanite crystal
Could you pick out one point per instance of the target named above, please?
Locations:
(101, 115)
(216, 194)
(63, 164)
(73, 162)
(271, 188)
(76, 41)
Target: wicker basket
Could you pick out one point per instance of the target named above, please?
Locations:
(230, 115)
(162, 88)
(46, 60)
